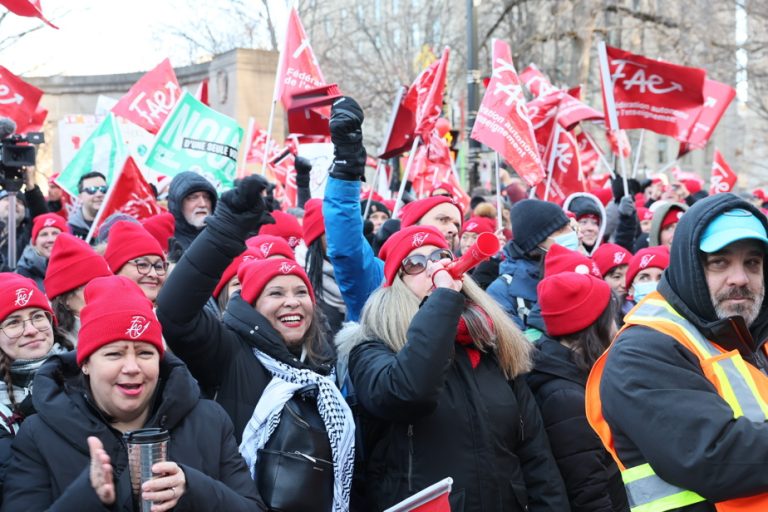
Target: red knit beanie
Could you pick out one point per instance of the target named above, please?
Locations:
(254, 275)
(231, 270)
(672, 217)
(400, 244)
(414, 211)
(162, 227)
(313, 221)
(116, 309)
(650, 257)
(644, 213)
(478, 225)
(266, 246)
(128, 240)
(48, 220)
(559, 259)
(19, 292)
(610, 256)
(692, 185)
(286, 226)
(571, 302)
(72, 264)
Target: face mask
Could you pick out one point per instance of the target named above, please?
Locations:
(643, 289)
(569, 240)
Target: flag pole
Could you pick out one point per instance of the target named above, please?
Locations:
(248, 137)
(498, 190)
(404, 179)
(610, 102)
(599, 152)
(554, 136)
(637, 154)
(278, 73)
(373, 184)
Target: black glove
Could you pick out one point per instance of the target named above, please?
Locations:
(242, 210)
(626, 206)
(347, 136)
(303, 168)
(617, 187)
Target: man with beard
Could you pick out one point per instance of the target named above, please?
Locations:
(191, 198)
(681, 397)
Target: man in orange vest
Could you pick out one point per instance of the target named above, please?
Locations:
(680, 398)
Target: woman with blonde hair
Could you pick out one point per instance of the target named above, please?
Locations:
(436, 366)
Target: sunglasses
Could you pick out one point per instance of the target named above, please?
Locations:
(93, 190)
(417, 263)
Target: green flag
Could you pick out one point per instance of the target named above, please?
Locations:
(199, 139)
(104, 151)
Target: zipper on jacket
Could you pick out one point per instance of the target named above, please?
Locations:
(410, 458)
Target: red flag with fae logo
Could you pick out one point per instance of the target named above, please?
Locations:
(536, 81)
(655, 95)
(27, 8)
(564, 164)
(723, 178)
(151, 99)
(425, 97)
(717, 97)
(130, 194)
(502, 121)
(18, 99)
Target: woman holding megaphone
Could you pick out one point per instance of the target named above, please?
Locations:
(436, 366)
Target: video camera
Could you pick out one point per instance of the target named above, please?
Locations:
(17, 152)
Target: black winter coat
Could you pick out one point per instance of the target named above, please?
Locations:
(429, 415)
(182, 185)
(591, 477)
(219, 352)
(655, 397)
(50, 467)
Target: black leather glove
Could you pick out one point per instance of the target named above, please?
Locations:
(303, 168)
(347, 136)
(617, 187)
(242, 210)
(626, 206)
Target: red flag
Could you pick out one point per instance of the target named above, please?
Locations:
(429, 101)
(299, 68)
(587, 153)
(536, 81)
(573, 110)
(18, 99)
(655, 95)
(399, 137)
(27, 8)
(562, 158)
(619, 143)
(502, 121)
(717, 97)
(202, 93)
(130, 194)
(151, 99)
(723, 178)
(38, 120)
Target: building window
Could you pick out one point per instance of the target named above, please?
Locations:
(662, 150)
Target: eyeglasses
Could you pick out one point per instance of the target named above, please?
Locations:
(417, 263)
(92, 190)
(144, 267)
(14, 327)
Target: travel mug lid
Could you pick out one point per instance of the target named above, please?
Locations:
(147, 436)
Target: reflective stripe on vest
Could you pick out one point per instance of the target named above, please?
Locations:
(646, 492)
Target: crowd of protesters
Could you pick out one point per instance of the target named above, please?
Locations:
(326, 358)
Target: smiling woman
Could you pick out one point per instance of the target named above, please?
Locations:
(121, 380)
(134, 253)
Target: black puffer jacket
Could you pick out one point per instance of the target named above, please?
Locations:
(429, 415)
(591, 476)
(219, 352)
(182, 185)
(50, 468)
(655, 397)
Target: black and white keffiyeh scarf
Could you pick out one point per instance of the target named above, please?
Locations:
(333, 409)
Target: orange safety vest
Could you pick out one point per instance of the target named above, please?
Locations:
(741, 385)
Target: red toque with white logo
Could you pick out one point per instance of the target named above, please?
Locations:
(286, 226)
(72, 264)
(231, 271)
(48, 220)
(571, 302)
(610, 256)
(559, 259)
(254, 275)
(19, 292)
(413, 212)
(129, 240)
(478, 225)
(266, 246)
(650, 257)
(399, 245)
(116, 309)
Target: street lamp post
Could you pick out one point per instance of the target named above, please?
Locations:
(473, 93)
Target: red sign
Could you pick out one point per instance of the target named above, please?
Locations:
(151, 99)
(723, 178)
(502, 121)
(655, 95)
(18, 99)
